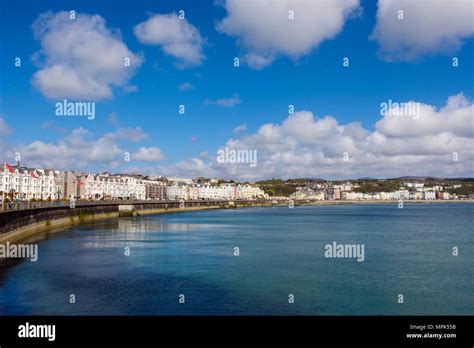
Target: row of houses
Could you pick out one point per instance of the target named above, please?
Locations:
(336, 193)
(21, 183)
(207, 191)
(397, 195)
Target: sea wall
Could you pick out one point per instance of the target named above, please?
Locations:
(21, 224)
(17, 225)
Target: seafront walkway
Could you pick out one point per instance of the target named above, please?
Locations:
(15, 206)
(22, 219)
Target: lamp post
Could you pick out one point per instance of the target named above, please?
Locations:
(58, 192)
(12, 197)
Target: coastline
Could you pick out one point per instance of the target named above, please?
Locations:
(29, 231)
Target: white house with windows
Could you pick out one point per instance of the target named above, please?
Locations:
(29, 183)
(107, 186)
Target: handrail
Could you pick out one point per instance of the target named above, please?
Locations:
(15, 206)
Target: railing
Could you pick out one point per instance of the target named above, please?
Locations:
(13, 206)
(31, 205)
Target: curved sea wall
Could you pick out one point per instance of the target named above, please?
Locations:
(20, 224)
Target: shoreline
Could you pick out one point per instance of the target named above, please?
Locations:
(29, 231)
(380, 201)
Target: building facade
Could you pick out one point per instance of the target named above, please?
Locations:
(21, 183)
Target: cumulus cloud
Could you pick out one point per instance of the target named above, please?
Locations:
(240, 129)
(225, 102)
(80, 150)
(304, 145)
(437, 26)
(74, 151)
(134, 134)
(186, 86)
(148, 154)
(264, 30)
(176, 37)
(80, 58)
(113, 119)
(456, 117)
(193, 167)
(4, 128)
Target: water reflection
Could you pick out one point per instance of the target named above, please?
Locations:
(134, 232)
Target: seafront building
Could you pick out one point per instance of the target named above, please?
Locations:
(106, 186)
(307, 193)
(20, 183)
(29, 183)
(214, 192)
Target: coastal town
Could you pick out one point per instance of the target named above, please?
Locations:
(20, 184)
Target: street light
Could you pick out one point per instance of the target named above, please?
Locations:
(58, 192)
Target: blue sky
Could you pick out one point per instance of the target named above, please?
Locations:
(314, 81)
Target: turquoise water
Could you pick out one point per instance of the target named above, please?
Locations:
(407, 251)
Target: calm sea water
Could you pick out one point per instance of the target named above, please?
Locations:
(407, 251)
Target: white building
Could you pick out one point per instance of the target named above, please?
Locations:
(177, 192)
(175, 179)
(106, 186)
(247, 191)
(28, 183)
(353, 196)
(344, 187)
(414, 184)
(429, 195)
(210, 192)
(305, 193)
(213, 192)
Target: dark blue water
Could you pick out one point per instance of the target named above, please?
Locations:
(407, 251)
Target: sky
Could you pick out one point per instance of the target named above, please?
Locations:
(337, 63)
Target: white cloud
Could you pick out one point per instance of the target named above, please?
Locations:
(265, 32)
(456, 118)
(225, 102)
(148, 154)
(134, 134)
(80, 58)
(177, 38)
(79, 150)
(72, 152)
(240, 129)
(186, 86)
(306, 146)
(4, 128)
(302, 145)
(113, 119)
(427, 27)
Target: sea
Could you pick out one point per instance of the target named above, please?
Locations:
(417, 260)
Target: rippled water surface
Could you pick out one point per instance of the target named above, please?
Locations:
(407, 251)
